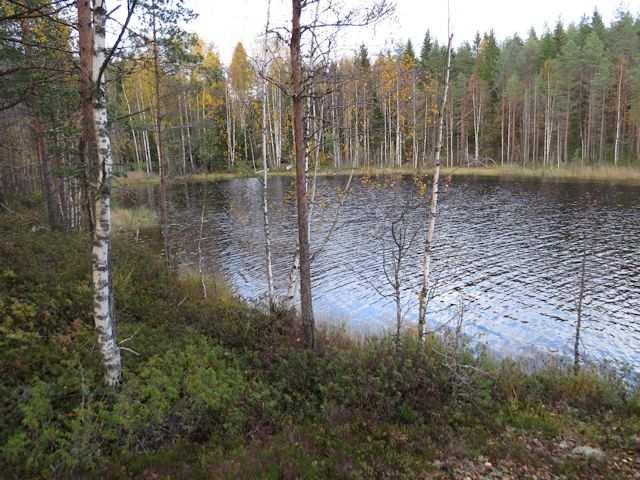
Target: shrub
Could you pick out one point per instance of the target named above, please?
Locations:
(196, 389)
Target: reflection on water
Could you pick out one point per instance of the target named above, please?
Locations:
(510, 251)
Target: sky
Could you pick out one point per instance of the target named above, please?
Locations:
(226, 22)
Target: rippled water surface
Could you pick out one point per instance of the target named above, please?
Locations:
(507, 252)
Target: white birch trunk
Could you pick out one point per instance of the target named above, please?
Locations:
(616, 150)
(398, 141)
(426, 261)
(502, 133)
(477, 116)
(265, 168)
(182, 144)
(414, 143)
(188, 128)
(103, 313)
(231, 149)
(356, 136)
(133, 131)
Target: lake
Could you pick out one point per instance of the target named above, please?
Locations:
(507, 254)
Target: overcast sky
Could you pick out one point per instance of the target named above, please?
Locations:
(225, 22)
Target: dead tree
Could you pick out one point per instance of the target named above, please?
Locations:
(579, 302)
(397, 236)
(200, 238)
(402, 243)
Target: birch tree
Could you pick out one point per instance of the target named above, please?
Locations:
(265, 165)
(94, 59)
(104, 312)
(433, 211)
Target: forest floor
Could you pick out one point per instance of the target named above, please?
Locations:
(622, 175)
(217, 388)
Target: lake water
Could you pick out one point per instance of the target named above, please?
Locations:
(509, 252)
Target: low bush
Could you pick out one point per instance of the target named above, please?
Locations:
(227, 389)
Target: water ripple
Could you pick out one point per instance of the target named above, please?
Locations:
(511, 250)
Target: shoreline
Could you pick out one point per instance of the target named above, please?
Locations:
(614, 175)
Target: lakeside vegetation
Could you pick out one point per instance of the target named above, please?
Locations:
(622, 175)
(217, 388)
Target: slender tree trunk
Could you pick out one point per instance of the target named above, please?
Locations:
(567, 121)
(267, 228)
(265, 168)
(548, 122)
(279, 130)
(306, 303)
(414, 142)
(426, 129)
(335, 134)
(87, 146)
(576, 346)
(535, 123)
(452, 156)
(525, 127)
(187, 117)
(502, 133)
(162, 164)
(616, 151)
(367, 138)
(590, 116)
(136, 147)
(477, 118)
(356, 136)
(182, 144)
(398, 140)
(203, 283)
(146, 150)
(602, 116)
(39, 136)
(433, 211)
(228, 124)
(48, 190)
(509, 132)
(104, 313)
(397, 295)
(386, 122)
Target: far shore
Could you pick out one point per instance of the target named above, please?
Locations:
(619, 175)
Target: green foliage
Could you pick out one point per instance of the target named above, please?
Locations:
(218, 388)
(198, 388)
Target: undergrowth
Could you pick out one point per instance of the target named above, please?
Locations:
(217, 388)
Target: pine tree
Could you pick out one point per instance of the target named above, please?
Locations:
(425, 51)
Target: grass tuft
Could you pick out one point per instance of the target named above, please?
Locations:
(134, 218)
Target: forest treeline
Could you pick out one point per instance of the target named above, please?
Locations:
(571, 94)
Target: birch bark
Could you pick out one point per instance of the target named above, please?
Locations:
(426, 262)
(265, 168)
(104, 314)
(616, 150)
